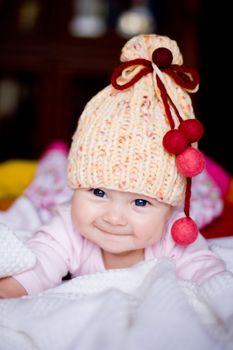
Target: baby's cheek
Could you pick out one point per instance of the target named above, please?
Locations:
(144, 235)
(156, 233)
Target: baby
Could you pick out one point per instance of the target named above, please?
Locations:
(130, 164)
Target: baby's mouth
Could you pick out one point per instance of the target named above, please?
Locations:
(113, 231)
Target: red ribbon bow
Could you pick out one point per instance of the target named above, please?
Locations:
(185, 77)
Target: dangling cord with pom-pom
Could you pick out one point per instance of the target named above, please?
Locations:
(184, 231)
(177, 142)
(189, 162)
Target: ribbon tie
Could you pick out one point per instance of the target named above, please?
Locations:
(186, 77)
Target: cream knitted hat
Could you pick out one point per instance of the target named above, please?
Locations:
(119, 143)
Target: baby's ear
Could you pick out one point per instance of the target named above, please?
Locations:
(15, 256)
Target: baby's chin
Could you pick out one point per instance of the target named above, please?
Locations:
(115, 249)
(119, 249)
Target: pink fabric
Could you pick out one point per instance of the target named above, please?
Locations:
(206, 200)
(49, 188)
(57, 146)
(219, 175)
(60, 249)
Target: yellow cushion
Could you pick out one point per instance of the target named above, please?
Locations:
(15, 176)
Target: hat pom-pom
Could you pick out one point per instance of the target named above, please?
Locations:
(191, 162)
(184, 231)
(175, 142)
(192, 129)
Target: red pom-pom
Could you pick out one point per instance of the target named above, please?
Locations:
(162, 57)
(191, 162)
(175, 142)
(184, 231)
(192, 129)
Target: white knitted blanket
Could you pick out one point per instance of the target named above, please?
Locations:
(15, 257)
(143, 307)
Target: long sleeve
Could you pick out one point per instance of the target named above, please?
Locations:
(194, 262)
(53, 246)
(197, 262)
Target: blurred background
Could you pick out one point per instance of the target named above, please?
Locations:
(56, 54)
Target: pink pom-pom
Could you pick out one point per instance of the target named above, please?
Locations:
(192, 129)
(175, 142)
(184, 231)
(191, 162)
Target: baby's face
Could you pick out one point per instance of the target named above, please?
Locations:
(118, 221)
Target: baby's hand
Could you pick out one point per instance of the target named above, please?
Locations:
(10, 288)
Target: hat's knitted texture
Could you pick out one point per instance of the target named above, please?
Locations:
(119, 140)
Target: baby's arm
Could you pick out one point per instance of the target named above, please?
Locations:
(56, 249)
(10, 288)
(197, 262)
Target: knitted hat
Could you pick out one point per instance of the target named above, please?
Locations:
(135, 135)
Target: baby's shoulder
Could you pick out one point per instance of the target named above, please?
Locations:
(63, 212)
(60, 222)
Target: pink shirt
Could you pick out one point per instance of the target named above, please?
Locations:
(60, 249)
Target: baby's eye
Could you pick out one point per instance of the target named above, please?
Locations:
(141, 202)
(98, 192)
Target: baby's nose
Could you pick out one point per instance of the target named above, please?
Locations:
(115, 216)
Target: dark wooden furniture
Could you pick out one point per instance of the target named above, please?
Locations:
(60, 79)
(57, 74)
